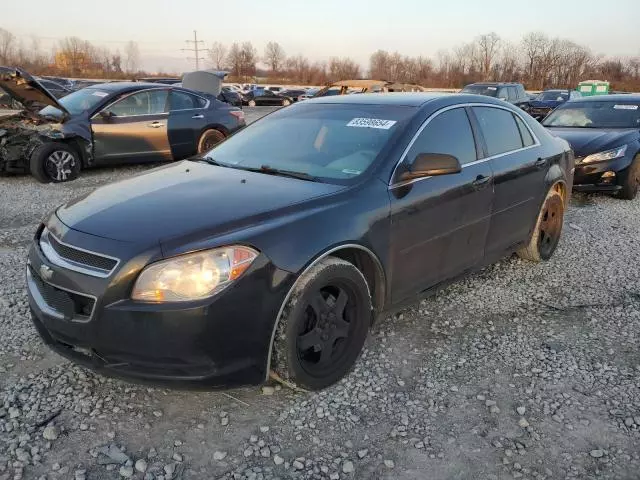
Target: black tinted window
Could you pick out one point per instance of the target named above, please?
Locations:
(450, 132)
(499, 129)
(182, 101)
(525, 134)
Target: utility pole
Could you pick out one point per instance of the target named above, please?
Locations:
(196, 49)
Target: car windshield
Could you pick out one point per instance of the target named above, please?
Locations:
(486, 90)
(78, 102)
(332, 143)
(601, 114)
(554, 96)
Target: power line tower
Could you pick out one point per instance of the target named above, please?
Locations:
(196, 49)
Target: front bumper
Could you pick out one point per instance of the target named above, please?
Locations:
(600, 176)
(222, 341)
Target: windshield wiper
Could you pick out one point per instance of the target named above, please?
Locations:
(284, 173)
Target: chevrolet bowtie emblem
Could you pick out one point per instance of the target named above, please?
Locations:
(45, 272)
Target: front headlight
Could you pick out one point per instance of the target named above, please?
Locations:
(193, 276)
(608, 155)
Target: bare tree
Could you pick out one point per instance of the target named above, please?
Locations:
(116, 62)
(72, 55)
(343, 69)
(217, 55)
(274, 56)
(234, 60)
(131, 57)
(249, 56)
(7, 40)
(487, 45)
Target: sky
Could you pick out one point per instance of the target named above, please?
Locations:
(321, 29)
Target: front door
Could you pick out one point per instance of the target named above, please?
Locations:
(519, 173)
(439, 224)
(133, 129)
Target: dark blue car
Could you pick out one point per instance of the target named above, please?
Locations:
(548, 100)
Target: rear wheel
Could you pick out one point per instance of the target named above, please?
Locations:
(323, 326)
(251, 103)
(209, 139)
(55, 162)
(546, 234)
(630, 180)
(286, 102)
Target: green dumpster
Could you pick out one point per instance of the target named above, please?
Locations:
(593, 87)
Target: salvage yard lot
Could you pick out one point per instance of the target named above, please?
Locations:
(519, 371)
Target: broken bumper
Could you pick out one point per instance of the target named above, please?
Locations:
(599, 176)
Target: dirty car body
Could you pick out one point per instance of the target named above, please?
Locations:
(325, 178)
(103, 124)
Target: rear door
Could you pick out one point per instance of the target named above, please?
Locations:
(519, 174)
(269, 98)
(134, 128)
(187, 119)
(439, 224)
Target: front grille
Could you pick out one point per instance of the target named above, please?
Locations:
(75, 258)
(71, 305)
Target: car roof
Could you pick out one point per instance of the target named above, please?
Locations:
(620, 97)
(121, 86)
(406, 99)
(495, 83)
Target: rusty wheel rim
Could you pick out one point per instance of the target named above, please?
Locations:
(550, 226)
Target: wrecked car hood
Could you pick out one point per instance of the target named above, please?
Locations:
(206, 81)
(26, 90)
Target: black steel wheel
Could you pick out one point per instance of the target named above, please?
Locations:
(324, 325)
(548, 229)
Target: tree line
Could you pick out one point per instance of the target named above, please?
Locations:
(537, 60)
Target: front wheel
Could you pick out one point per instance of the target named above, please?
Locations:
(324, 325)
(251, 103)
(630, 180)
(54, 162)
(286, 102)
(546, 234)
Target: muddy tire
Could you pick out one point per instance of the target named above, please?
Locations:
(209, 139)
(323, 326)
(546, 234)
(55, 162)
(630, 181)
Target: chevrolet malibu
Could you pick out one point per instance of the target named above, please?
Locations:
(278, 248)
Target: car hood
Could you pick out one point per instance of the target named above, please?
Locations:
(585, 141)
(183, 199)
(545, 103)
(26, 90)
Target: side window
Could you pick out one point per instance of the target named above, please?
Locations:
(525, 134)
(450, 133)
(200, 102)
(520, 91)
(499, 129)
(148, 102)
(182, 101)
(503, 93)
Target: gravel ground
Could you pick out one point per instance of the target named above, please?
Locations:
(519, 371)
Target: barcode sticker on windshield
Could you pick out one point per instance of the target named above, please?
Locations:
(625, 107)
(371, 123)
(100, 94)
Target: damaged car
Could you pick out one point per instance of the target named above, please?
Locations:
(105, 124)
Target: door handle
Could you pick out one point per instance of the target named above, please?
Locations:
(199, 115)
(155, 125)
(480, 181)
(541, 163)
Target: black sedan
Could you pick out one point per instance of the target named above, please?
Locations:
(604, 132)
(546, 101)
(266, 98)
(281, 246)
(106, 124)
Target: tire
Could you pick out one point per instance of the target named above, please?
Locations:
(316, 344)
(55, 162)
(251, 103)
(286, 103)
(546, 234)
(209, 139)
(630, 180)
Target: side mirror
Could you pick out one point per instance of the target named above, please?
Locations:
(106, 114)
(431, 164)
(502, 98)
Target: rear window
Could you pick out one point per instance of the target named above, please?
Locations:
(486, 90)
(499, 129)
(333, 143)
